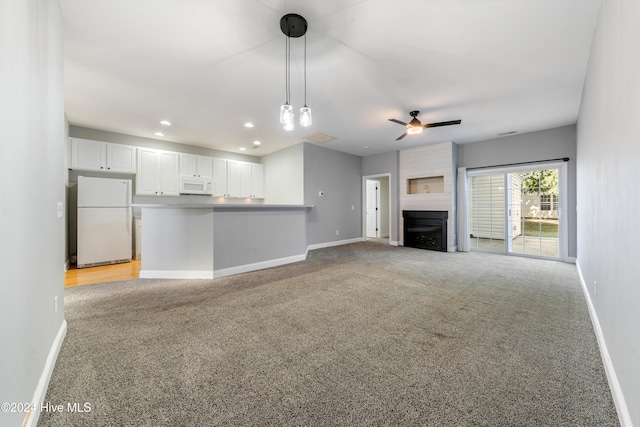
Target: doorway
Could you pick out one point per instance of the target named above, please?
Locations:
(519, 211)
(376, 215)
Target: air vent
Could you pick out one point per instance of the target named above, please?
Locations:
(507, 133)
(319, 138)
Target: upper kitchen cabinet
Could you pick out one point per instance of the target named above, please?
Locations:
(158, 173)
(238, 179)
(257, 181)
(197, 166)
(101, 156)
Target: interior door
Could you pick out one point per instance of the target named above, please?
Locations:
(372, 208)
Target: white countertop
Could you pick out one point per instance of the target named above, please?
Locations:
(223, 206)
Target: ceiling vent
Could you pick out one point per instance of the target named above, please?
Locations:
(318, 138)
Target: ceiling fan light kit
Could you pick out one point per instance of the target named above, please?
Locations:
(415, 127)
(294, 25)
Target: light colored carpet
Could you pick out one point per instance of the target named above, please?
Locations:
(362, 334)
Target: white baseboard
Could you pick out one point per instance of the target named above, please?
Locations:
(394, 243)
(335, 243)
(43, 383)
(571, 260)
(258, 265)
(175, 274)
(65, 268)
(618, 397)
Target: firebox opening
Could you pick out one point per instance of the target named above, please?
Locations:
(426, 229)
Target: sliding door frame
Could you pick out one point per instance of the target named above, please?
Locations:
(563, 235)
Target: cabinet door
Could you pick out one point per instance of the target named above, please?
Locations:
(87, 154)
(257, 181)
(147, 177)
(205, 166)
(219, 177)
(169, 174)
(238, 179)
(188, 164)
(121, 158)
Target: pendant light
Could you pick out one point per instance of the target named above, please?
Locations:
(293, 25)
(305, 112)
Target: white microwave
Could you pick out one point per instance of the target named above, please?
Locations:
(190, 184)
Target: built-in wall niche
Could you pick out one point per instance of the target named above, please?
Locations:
(425, 185)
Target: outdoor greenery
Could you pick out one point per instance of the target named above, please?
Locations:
(545, 182)
(544, 228)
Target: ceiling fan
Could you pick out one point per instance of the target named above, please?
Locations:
(415, 127)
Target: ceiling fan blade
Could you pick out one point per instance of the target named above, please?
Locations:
(401, 136)
(398, 121)
(435, 125)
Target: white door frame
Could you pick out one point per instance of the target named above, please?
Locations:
(364, 202)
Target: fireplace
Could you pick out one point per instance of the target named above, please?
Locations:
(426, 229)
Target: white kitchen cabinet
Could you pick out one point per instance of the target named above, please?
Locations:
(199, 166)
(158, 173)
(92, 155)
(232, 178)
(238, 179)
(219, 178)
(257, 181)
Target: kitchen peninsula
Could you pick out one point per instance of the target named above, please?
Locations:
(215, 240)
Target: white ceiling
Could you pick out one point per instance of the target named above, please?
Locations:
(209, 66)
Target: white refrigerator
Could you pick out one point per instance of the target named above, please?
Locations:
(104, 221)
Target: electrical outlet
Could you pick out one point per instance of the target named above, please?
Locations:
(55, 305)
(595, 288)
(337, 232)
(59, 209)
(353, 208)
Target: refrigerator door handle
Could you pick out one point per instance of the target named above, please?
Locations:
(129, 221)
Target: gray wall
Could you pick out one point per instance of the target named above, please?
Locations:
(608, 195)
(32, 182)
(338, 176)
(547, 144)
(386, 163)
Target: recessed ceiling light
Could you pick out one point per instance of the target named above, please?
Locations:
(366, 147)
(243, 149)
(248, 125)
(256, 143)
(165, 123)
(159, 134)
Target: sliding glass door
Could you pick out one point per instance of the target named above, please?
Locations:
(518, 211)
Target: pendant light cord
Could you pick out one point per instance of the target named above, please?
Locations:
(287, 70)
(305, 69)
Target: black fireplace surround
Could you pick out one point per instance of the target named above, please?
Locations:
(426, 229)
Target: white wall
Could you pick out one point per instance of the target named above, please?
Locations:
(430, 161)
(608, 198)
(284, 176)
(32, 182)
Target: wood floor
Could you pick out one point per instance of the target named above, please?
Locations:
(106, 273)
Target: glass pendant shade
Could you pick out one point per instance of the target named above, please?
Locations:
(285, 110)
(414, 130)
(305, 116)
(289, 121)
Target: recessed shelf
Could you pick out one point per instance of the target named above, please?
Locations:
(425, 185)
